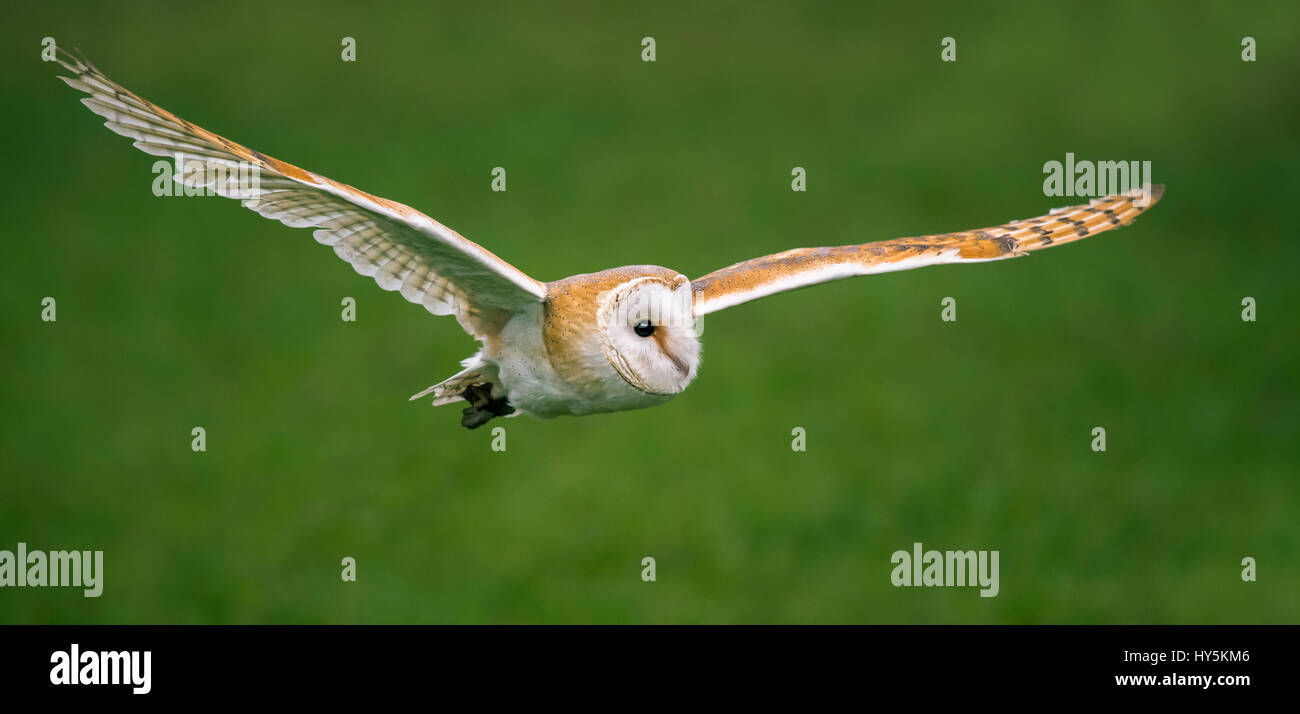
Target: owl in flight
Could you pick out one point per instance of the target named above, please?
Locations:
(619, 339)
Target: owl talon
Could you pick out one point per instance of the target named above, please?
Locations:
(472, 418)
(478, 395)
(482, 407)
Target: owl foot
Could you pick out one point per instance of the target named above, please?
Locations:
(482, 407)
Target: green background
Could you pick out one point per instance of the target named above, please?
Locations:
(183, 312)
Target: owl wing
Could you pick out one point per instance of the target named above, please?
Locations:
(802, 267)
(400, 247)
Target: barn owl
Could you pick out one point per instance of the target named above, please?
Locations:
(619, 339)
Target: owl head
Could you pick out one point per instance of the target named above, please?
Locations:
(647, 332)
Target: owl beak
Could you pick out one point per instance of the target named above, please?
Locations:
(661, 339)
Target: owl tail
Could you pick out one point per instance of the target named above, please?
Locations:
(451, 389)
(476, 384)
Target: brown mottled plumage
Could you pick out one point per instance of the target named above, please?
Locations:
(801, 267)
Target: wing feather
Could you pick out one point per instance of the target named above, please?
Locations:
(793, 269)
(401, 248)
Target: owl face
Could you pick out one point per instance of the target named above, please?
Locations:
(648, 335)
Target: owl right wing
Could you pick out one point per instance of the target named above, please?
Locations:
(400, 247)
(802, 267)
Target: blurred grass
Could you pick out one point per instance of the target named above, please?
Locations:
(182, 312)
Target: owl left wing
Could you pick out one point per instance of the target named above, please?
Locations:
(760, 277)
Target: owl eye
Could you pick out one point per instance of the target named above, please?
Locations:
(643, 328)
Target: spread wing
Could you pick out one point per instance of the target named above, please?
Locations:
(400, 247)
(802, 267)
